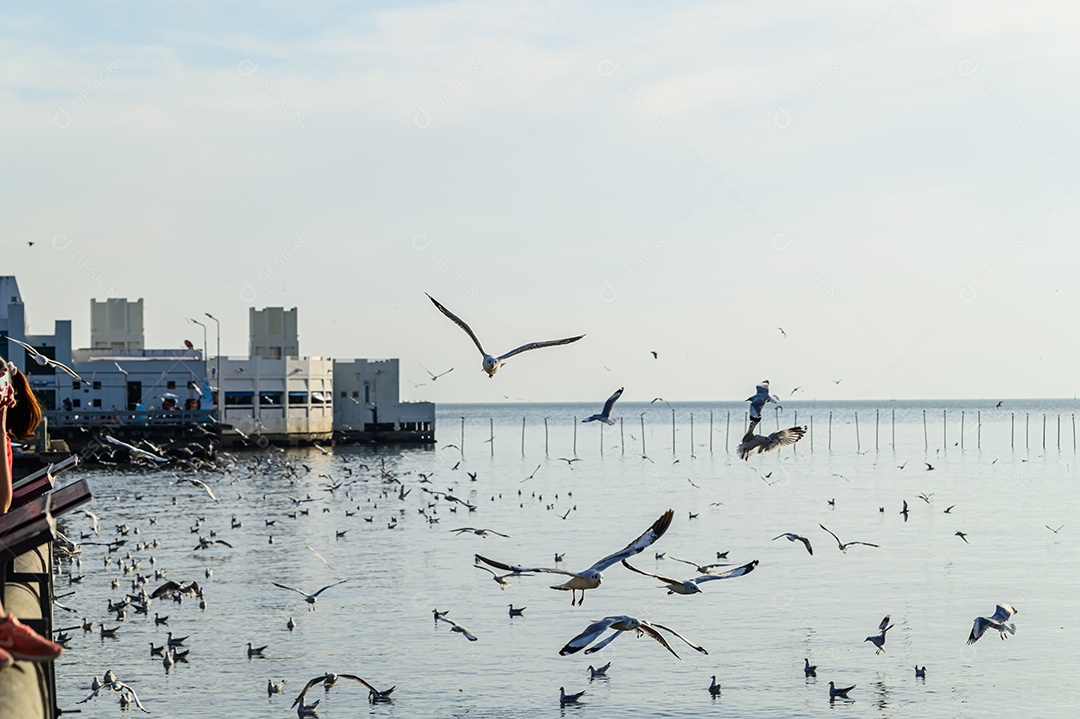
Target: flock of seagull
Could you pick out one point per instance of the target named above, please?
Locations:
(590, 640)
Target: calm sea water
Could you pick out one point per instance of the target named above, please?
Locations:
(1014, 473)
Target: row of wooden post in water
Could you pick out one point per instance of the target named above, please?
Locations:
(729, 438)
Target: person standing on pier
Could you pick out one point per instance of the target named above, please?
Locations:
(20, 415)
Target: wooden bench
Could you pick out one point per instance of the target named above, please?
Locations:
(38, 483)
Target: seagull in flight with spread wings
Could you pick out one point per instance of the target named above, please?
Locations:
(760, 444)
(621, 624)
(310, 598)
(692, 586)
(592, 577)
(329, 680)
(46, 361)
(436, 376)
(844, 545)
(1002, 614)
(605, 414)
(791, 537)
(492, 363)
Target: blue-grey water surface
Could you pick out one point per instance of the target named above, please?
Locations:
(757, 629)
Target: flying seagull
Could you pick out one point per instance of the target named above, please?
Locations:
(844, 545)
(455, 627)
(329, 680)
(500, 579)
(480, 532)
(621, 624)
(46, 362)
(692, 586)
(492, 364)
(605, 414)
(310, 598)
(592, 577)
(127, 694)
(760, 398)
(135, 450)
(797, 538)
(878, 640)
(1002, 614)
(436, 376)
(760, 444)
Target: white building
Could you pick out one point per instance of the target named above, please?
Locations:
(116, 324)
(367, 404)
(49, 384)
(138, 379)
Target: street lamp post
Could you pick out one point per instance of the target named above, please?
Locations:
(221, 391)
(206, 360)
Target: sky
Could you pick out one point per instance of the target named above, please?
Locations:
(894, 184)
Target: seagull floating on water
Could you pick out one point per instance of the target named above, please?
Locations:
(595, 672)
(491, 363)
(1002, 614)
(809, 669)
(836, 692)
(622, 624)
(565, 698)
(714, 688)
(592, 577)
(605, 413)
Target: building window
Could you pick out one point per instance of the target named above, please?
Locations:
(75, 385)
(273, 353)
(367, 394)
(270, 399)
(355, 394)
(191, 384)
(97, 384)
(344, 394)
(97, 403)
(239, 399)
(76, 402)
(297, 397)
(171, 384)
(319, 398)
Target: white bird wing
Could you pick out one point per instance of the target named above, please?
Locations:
(93, 517)
(784, 437)
(120, 686)
(459, 322)
(979, 628)
(303, 692)
(838, 542)
(298, 591)
(650, 535)
(204, 486)
(134, 450)
(662, 578)
(650, 631)
(366, 684)
(1003, 612)
(538, 345)
(591, 633)
(680, 636)
(731, 573)
(610, 404)
(521, 570)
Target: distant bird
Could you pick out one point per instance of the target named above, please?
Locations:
(492, 364)
(253, 651)
(796, 538)
(1055, 531)
(998, 405)
(844, 545)
(905, 511)
(760, 444)
(479, 532)
(127, 694)
(963, 536)
(310, 598)
(565, 698)
(135, 450)
(272, 688)
(1002, 614)
(519, 612)
(920, 673)
(592, 577)
(926, 497)
(500, 579)
(878, 640)
(693, 586)
(782, 332)
(760, 398)
(455, 627)
(835, 692)
(714, 688)
(809, 669)
(837, 381)
(44, 361)
(948, 510)
(291, 624)
(328, 680)
(436, 376)
(929, 467)
(605, 413)
(207, 543)
(595, 672)
(655, 356)
(621, 624)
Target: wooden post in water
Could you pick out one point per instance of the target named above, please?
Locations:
(858, 443)
(925, 437)
(1059, 431)
(672, 433)
(622, 440)
(692, 435)
(461, 443)
(1044, 431)
(794, 447)
(710, 431)
(877, 418)
(1027, 433)
(978, 429)
(522, 436)
(830, 430)
(727, 432)
(894, 430)
(961, 429)
(642, 418)
(601, 439)
(491, 432)
(545, 437)
(944, 429)
(575, 438)
(811, 434)
(1012, 430)
(1074, 432)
